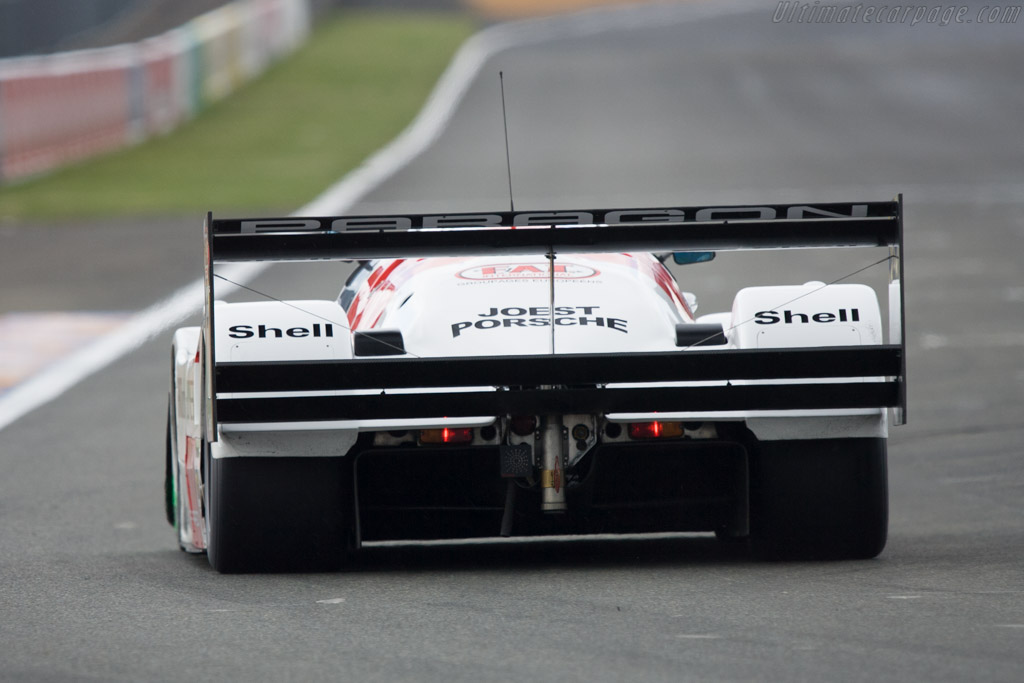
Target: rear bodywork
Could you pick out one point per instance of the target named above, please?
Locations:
(472, 379)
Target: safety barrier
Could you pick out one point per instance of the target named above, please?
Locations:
(60, 108)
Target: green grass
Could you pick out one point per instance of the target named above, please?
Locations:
(274, 144)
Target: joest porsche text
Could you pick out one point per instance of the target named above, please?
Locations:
(520, 316)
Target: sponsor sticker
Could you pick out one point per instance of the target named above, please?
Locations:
(792, 317)
(527, 271)
(269, 332)
(540, 316)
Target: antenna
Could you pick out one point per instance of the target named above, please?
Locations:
(508, 159)
(512, 207)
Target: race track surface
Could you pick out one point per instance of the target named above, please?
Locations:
(681, 104)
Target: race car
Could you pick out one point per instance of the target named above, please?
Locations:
(513, 374)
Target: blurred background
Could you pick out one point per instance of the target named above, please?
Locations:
(83, 78)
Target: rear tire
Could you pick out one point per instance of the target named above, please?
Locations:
(170, 504)
(278, 514)
(819, 499)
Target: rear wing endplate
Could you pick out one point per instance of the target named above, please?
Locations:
(581, 382)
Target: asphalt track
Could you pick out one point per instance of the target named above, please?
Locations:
(676, 109)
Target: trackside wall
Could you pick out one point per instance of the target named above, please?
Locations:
(60, 108)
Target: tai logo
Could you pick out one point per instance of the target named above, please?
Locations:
(527, 271)
(264, 332)
(788, 317)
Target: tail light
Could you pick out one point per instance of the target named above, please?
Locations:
(446, 435)
(523, 425)
(655, 430)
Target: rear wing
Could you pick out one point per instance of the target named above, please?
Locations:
(563, 383)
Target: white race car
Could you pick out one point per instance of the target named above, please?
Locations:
(475, 379)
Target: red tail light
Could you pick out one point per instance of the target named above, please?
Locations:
(446, 435)
(523, 425)
(655, 430)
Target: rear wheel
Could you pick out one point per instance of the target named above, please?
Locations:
(170, 494)
(278, 514)
(819, 499)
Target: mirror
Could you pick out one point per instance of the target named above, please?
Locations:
(684, 257)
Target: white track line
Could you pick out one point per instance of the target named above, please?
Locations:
(421, 133)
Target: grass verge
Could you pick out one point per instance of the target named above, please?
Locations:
(275, 143)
